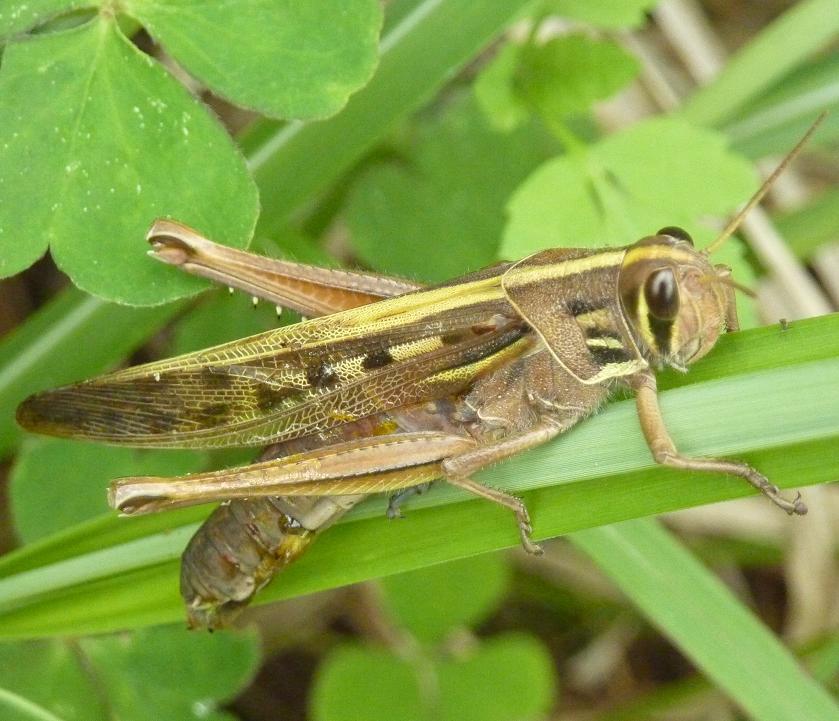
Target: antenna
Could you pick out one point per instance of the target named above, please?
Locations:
(734, 223)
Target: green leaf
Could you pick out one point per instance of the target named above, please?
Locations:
(286, 60)
(433, 601)
(555, 206)
(507, 678)
(567, 75)
(170, 673)
(702, 617)
(45, 681)
(605, 13)
(440, 211)
(73, 175)
(113, 573)
(496, 93)
(563, 76)
(659, 163)
(17, 16)
(165, 673)
(56, 483)
(355, 682)
(823, 660)
(627, 186)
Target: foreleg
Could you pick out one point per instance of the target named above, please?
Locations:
(664, 450)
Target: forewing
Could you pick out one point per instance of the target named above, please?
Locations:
(296, 380)
(570, 297)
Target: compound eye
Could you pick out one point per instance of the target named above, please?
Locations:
(675, 231)
(662, 294)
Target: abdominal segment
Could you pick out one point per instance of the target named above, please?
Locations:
(242, 545)
(245, 542)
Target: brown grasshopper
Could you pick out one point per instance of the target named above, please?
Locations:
(394, 385)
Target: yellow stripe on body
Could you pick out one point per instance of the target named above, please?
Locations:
(687, 256)
(573, 266)
(445, 298)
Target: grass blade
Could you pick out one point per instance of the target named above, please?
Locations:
(801, 31)
(695, 610)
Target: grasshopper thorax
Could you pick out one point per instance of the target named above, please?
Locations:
(677, 303)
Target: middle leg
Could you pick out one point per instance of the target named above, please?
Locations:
(458, 469)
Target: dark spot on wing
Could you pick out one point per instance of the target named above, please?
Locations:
(37, 410)
(451, 338)
(160, 421)
(216, 379)
(321, 375)
(269, 397)
(212, 415)
(377, 359)
(111, 418)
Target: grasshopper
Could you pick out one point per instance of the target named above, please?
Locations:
(390, 385)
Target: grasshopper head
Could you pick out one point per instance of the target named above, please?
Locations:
(676, 301)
